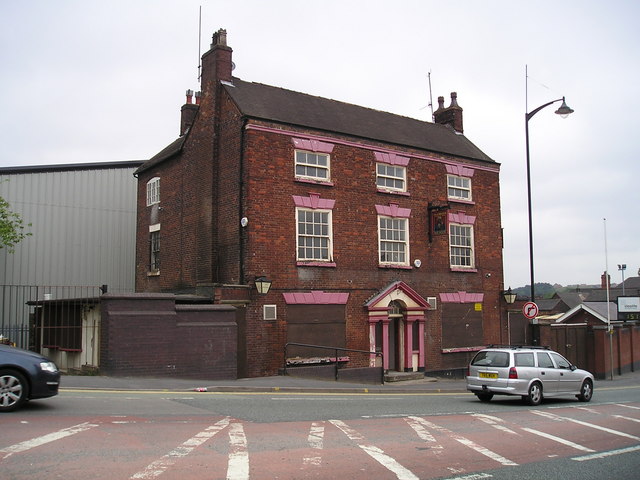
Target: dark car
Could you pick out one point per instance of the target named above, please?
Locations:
(25, 375)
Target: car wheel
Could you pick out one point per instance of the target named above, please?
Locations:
(535, 394)
(14, 390)
(484, 397)
(586, 391)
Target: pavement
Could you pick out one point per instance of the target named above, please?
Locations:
(286, 383)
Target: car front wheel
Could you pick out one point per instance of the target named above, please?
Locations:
(13, 390)
(534, 397)
(586, 391)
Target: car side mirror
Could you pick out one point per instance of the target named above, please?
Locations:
(573, 367)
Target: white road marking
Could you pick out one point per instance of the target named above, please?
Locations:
(469, 443)
(376, 453)
(610, 453)
(316, 441)
(158, 467)
(238, 468)
(50, 437)
(558, 439)
(585, 424)
(627, 418)
(494, 422)
(424, 434)
(627, 406)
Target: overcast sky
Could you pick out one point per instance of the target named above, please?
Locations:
(99, 81)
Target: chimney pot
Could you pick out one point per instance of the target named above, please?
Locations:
(189, 96)
(454, 99)
(452, 115)
(198, 95)
(219, 38)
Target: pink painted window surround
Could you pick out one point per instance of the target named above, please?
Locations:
(393, 210)
(391, 159)
(312, 145)
(461, 297)
(314, 202)
(459, 170)
(462, 218)
(315, 297)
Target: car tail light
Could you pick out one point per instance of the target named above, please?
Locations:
(513, 373)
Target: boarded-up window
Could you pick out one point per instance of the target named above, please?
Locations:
(315, 325)
(461, 325)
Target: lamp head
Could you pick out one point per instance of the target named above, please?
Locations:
(564, 111)
(509, 296)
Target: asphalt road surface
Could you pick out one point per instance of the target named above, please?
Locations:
(184, 435)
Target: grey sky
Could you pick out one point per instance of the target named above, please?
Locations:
(92, 81)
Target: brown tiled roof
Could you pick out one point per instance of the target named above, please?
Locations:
(275, 104)
(288, 107)
(164, 154)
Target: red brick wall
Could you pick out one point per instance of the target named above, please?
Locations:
(226, 172)
(149, 335)
(271, 241)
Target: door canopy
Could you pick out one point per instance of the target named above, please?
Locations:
(378, 305)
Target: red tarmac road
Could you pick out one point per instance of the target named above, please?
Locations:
(416, 447)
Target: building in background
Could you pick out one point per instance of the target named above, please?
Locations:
(82, 222)
(377, 232)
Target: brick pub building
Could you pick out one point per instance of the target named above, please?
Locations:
(378, 232)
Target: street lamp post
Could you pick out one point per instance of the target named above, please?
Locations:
(622, 268)
(563, 111)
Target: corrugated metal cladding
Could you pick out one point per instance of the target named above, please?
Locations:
(83, 224)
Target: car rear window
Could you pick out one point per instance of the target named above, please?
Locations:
(491, 359)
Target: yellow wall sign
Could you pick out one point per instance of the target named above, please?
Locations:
(478, 307)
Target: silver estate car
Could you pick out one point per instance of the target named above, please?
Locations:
(531, 372)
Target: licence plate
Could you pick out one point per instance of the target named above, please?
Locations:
(487, 375)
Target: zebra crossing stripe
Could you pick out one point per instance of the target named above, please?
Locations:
(376, 453)
(48, 438)
(158, 467)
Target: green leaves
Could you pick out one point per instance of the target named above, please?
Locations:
(11, 227)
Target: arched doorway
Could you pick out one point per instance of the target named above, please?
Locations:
(396, 327)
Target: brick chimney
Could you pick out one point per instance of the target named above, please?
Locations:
(452, 115)
(216, 63)
(603, 280)
(188, 112)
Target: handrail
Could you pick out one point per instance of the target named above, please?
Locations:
(337, 349)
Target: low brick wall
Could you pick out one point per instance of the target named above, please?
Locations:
(148, 334)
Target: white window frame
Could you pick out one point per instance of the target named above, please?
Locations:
(384, 243)
(389, 176)
(314, 236)
(459, 188)
(303, 163)
(463, 250)
(153, 191)
(154, 248)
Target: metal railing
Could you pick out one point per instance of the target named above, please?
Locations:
(336, 360)
(61, 322)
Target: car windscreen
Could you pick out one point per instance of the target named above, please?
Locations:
(488, 358)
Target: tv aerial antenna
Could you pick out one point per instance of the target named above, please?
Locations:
(430, 97)
(199, 42)
(430, 105)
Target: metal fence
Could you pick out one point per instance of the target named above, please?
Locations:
(61, 322)
(341, 364)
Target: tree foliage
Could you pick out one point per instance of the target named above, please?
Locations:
(11, 227)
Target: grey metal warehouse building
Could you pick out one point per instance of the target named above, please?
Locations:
(82, 221)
